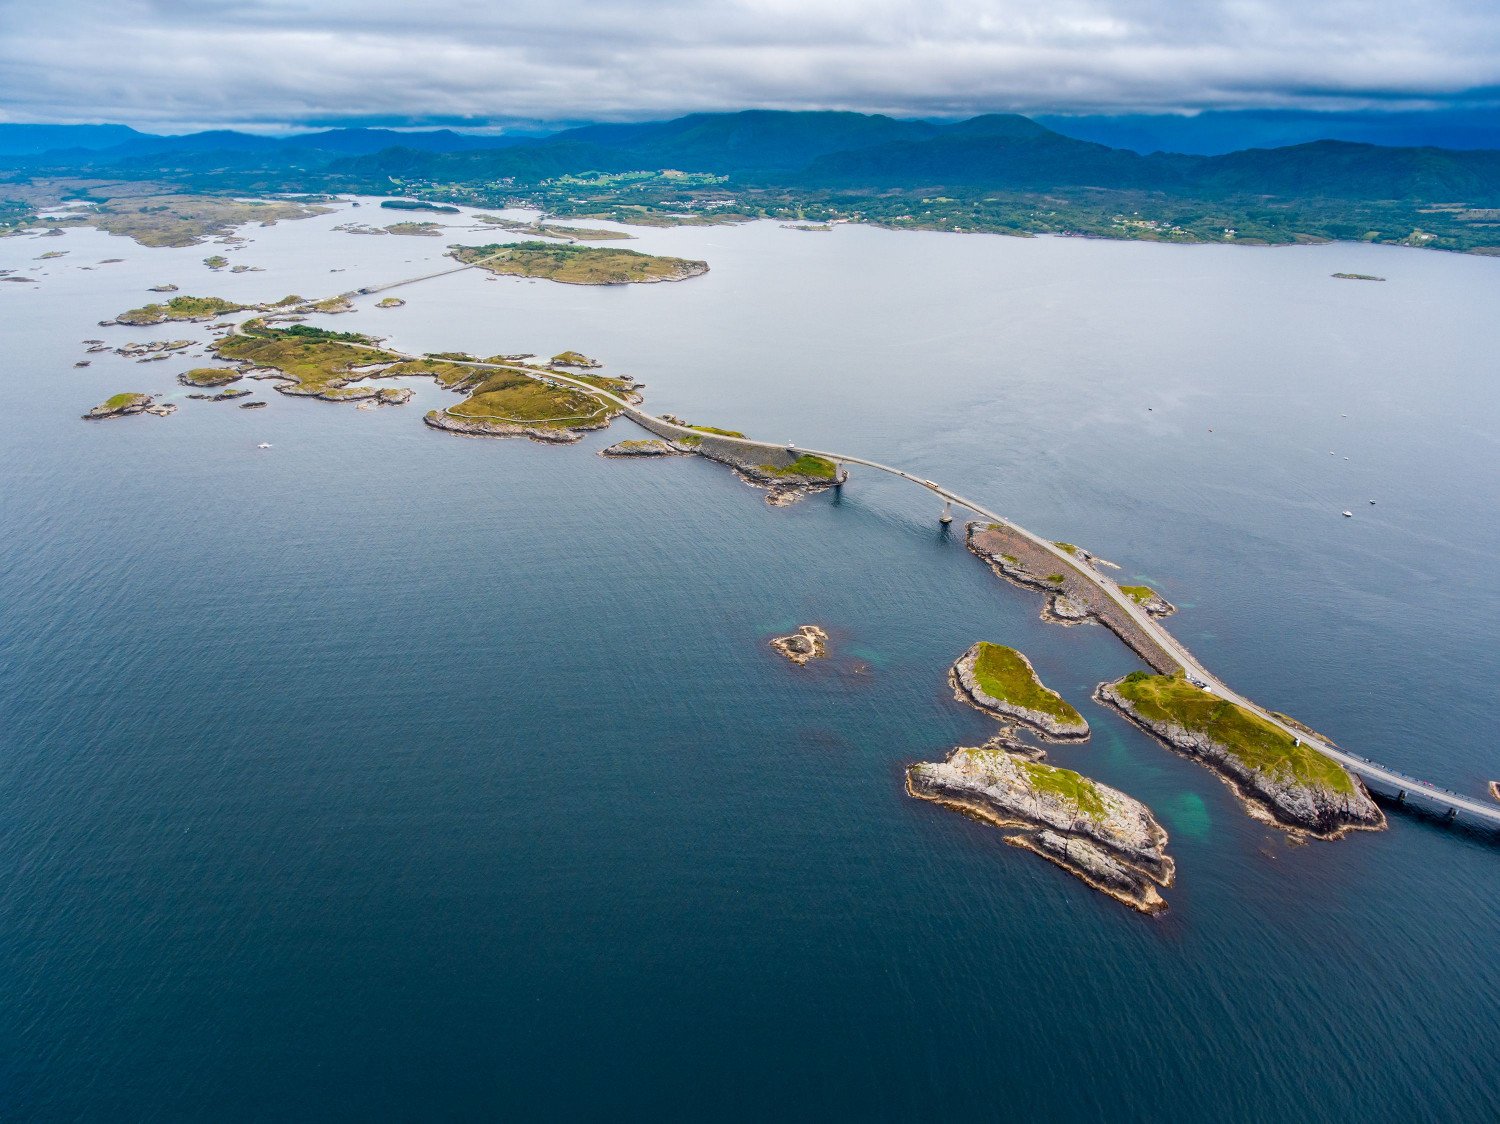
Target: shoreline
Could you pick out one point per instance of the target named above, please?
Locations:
(966, 689)
(1129, 875)
(1244, 781)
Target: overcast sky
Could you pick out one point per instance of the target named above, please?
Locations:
(161, 64)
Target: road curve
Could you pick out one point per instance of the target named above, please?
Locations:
(1400, 785)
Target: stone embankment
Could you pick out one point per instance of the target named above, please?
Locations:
(761, 465)
(968, 689)
(1282, 801)
(1096, 833)
(1073, 596)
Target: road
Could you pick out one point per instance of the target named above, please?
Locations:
(1397, 783)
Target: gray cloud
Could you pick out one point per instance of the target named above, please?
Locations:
(166, 63)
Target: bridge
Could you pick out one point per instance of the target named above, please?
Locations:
(1390, 783)
(1395, 786)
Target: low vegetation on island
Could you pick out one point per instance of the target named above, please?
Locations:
(577, 265)
(181, 308)
(807, 465)
(574, 359)
(513, 403)
(210, 376)
(119, 406)
(416, 229)
(1280, 777)
(1001, 681)
(316, 362)
(1148, 599)
(1096, 833)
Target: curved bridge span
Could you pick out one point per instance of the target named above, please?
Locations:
(1390, 783)
(1387, 782)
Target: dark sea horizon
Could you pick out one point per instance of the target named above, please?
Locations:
(384, 774)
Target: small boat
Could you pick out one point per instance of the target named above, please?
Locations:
(1348, 515)
(267, 445)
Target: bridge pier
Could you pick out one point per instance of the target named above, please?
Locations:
(947, 516)
(840, 474)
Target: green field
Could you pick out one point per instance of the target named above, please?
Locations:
(1248, 737)
(1003, 674)
(1140, 594)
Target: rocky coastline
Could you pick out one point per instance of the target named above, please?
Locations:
(967, 689)
(120, 406)
(1096, 833)
(1300, 809)
(649, 448)
(476, 427)
(1073, 597)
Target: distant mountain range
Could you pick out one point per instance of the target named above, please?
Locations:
(791, 150)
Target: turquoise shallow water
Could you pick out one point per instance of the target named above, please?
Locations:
(390, 774)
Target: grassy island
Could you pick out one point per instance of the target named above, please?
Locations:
(121, 405)
(518, 399)
(181, 308)
(1140, 594)
(319, 361)
(1247, 737)
(419, 229)
(574, 359)
(1004, 674)
(209, 376)
(577, 265)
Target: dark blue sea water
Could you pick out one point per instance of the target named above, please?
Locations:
(390, 775)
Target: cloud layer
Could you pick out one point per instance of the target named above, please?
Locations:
(165, 63)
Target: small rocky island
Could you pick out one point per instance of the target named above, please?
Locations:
(809, 642)
(123, 405)
(643, 448)
(1096, 833)
(210, 376)
(1001, 682)
(1280, 780)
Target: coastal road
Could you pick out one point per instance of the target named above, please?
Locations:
(1389, 782)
